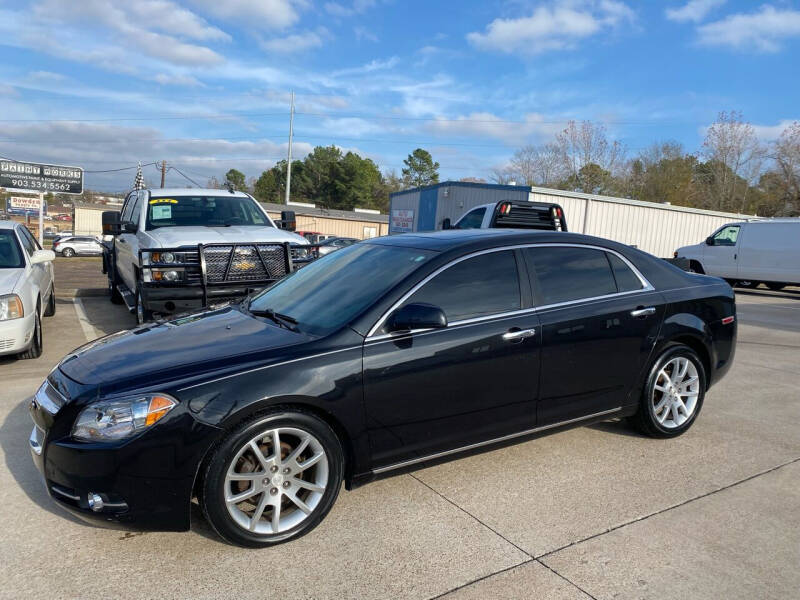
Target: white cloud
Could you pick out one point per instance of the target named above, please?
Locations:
(694, 10)
(273, 14)
(762, 31)
(489, 125)
(556, 26)
(45, 76)
(177, 79)
(769, 133)
(370, 67)
(362, 33)
(294, 43)
(338, 9)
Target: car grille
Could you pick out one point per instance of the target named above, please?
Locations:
(244, 262)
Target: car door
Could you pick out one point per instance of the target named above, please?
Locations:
(41, 274)
(599, 323)
(720, 258)
(125, 243)
(432, 391)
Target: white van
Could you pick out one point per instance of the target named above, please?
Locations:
(750, 253)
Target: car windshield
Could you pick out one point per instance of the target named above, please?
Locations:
(330, 292)
(10, 253)
(211, 211)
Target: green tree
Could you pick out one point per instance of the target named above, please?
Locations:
(323, 169)
(236, 179)
(420, 169)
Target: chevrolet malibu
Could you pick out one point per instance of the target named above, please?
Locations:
(384, 355)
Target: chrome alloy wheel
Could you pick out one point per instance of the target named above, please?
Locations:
(675, 392)
(276, 480)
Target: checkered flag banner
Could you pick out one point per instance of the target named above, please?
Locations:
(138, 183)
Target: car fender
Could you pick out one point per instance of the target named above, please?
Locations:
(691, 330)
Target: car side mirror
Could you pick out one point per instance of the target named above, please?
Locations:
(446, 223)
(710, 241)
(129, 228)
(417, 316)
(111, 222)
(42, 256)
(288, 220)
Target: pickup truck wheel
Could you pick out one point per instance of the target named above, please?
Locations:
(272, 479)
(113, 293)
(68, 253)
(142, 314)
(673, 394)
(775, 287)
(35, 349)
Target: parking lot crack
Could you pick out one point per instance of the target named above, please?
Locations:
(666, 509)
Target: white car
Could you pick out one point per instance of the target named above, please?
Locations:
(750, 252)
(27, 290)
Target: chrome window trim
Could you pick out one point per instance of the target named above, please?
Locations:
(646, 286)
(511, 436)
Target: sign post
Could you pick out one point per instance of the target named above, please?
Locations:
(40, 178)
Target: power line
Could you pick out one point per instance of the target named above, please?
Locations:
(122, 169)
(184, 176)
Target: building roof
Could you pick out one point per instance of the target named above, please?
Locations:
(330, 213)
(469, 184)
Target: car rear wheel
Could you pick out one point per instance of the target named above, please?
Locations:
(68, 252)
(673, 394)
(274, 478)
(51, 303)
(143, 315)
(775, 287)
(35, 349)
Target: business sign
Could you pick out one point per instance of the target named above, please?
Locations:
(17, 205)
(41, 178)
(402, 221)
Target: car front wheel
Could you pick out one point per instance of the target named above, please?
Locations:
(274, 478)
(68, 252)
(673, 394)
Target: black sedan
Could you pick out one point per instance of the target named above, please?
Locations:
(390, 353)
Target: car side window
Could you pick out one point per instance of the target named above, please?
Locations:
(482, 285)
(125, 217)
(626, 279)
(727, 236)
(136, 212)
(28, 241)
(472, 220)
(568, 273)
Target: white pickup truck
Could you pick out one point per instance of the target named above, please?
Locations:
(174, 250)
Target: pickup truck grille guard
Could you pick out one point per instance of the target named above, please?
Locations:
(250, 265)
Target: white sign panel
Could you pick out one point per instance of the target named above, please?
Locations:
(402, 221)
(19, 205)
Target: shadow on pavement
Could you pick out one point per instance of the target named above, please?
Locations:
(14, 434)
(618, 427)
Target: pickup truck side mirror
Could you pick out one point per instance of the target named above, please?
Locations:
(111, 224)
(446, 223)
(129, 228)
(710, 241)
(417, 316)
(288, 221)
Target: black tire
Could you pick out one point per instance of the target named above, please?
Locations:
(143, 315)
(51, 303)
(68, 252)
(35, 349)
(212, 488)
(113, 292)
(775, 287)
(746, 283)
(645, 420)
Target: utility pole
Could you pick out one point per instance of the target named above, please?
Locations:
(163, 172)
(289, 163)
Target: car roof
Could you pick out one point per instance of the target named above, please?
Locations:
(478, 239)
(168, 192)
(8, 224)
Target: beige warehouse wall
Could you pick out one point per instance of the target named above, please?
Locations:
(339, 227)
(655, 228)
(88, 221)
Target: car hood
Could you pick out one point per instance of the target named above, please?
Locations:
(174, 237)
(185, 347)
(8, 280)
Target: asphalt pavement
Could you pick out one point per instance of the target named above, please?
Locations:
(595, 512)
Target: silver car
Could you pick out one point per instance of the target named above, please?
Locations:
(78, 246)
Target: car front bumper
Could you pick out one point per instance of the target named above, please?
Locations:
(168, 299)
(16, 334)
(145, 482)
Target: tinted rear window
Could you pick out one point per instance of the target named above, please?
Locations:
(566, 273)
(627, 281)
(10, 252)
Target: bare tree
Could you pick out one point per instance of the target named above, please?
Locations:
(787, 158)
(501, 175)
(583, 144)
(537, 165)
(734, 157)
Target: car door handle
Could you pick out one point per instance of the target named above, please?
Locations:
(643, 312)
(518, 334)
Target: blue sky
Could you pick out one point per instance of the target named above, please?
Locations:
(205, 83)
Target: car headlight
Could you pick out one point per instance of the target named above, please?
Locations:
(109, 420)
(11, 307)
(163, 257)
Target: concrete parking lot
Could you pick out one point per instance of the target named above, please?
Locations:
(596, 512)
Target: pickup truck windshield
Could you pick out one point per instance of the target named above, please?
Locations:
(211, 211)
(328, 293)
